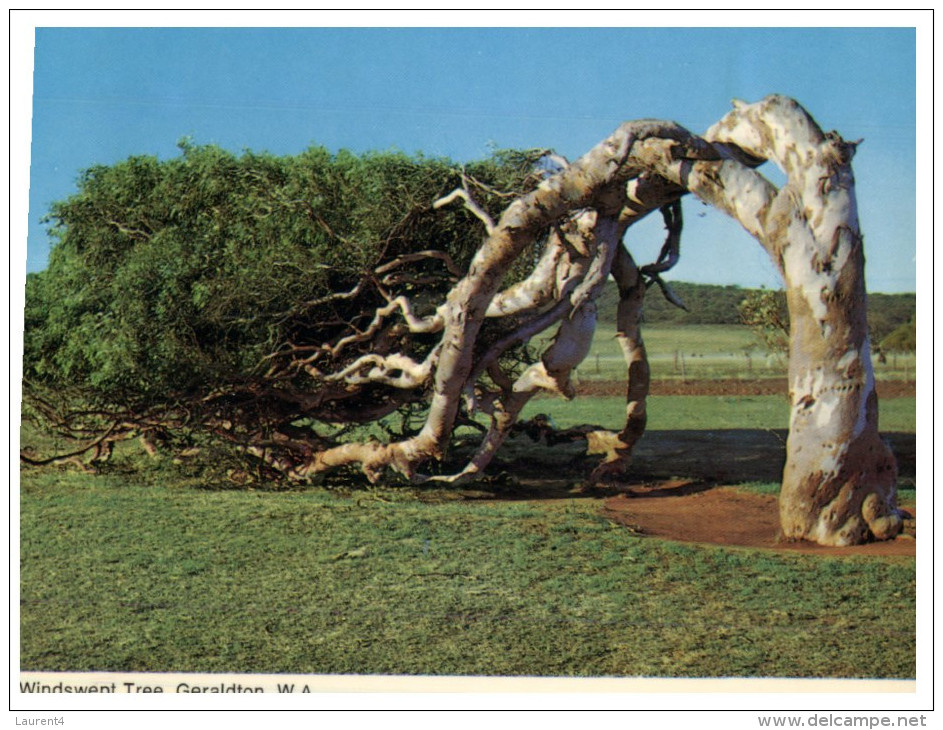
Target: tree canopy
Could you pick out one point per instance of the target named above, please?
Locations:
(191, 291)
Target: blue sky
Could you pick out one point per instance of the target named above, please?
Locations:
(103, 94)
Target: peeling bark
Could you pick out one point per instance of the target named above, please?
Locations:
(839, 485)
(618, 448)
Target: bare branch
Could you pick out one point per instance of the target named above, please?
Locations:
(71, 454)
(671, 249)
(432, 323)
(470, 204)
(398, 371)
(419, 256)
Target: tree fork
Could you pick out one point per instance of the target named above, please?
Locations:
(597, 180)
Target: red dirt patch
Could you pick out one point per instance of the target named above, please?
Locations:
(694, 512)
(677, 486)
(764, 386)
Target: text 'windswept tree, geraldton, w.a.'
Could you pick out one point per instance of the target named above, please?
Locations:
(258, 302)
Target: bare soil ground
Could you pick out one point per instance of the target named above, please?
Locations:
(680, 486)
(692, 512)
(694, 505)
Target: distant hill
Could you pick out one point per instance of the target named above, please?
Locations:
(715, 304)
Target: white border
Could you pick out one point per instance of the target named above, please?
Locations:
(609, 696)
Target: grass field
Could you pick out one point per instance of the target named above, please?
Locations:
(118, 576)
(707, 352)
(142, 572)
(138, 569)
(708, 412)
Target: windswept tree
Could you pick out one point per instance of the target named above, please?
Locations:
(266, 303)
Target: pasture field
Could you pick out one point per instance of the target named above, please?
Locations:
(120, 575)
(706, 351)
(143, 570)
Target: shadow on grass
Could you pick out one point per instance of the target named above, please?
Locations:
(683, 461)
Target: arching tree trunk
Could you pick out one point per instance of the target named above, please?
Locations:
(839, 484)
(840, 479)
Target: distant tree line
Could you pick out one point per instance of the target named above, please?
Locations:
(888, 314)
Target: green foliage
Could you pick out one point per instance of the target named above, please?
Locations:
(765, 312)
(173, 279)
(888, 311)
(902, 338)
(706, 304)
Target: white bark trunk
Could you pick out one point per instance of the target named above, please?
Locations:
(839, 483)
(618, 448)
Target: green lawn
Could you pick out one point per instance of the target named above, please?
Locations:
(708, 412)
(119, 576)
(145, 571)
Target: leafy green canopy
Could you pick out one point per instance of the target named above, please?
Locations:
(171, 279)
